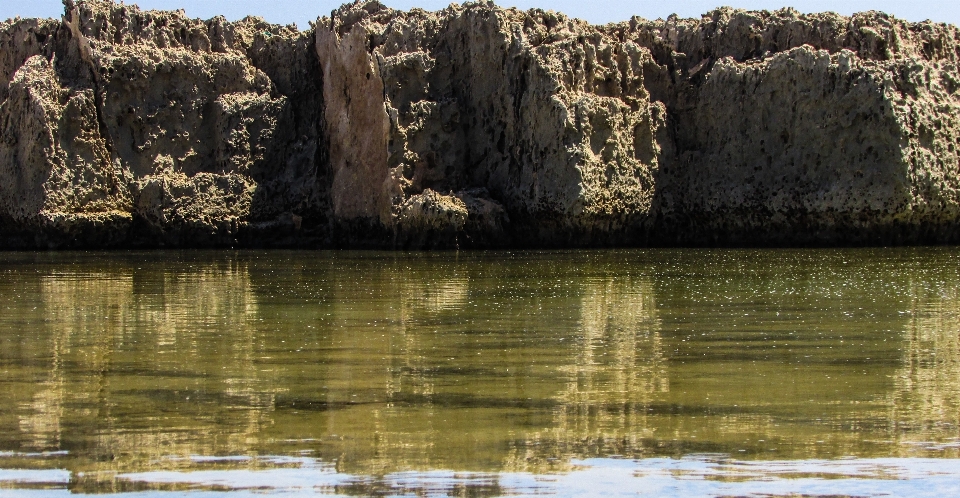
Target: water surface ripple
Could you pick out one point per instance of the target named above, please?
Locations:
(816, 372)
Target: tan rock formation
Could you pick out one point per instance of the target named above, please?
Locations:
(477, 126)
(807, 129)
(124, 127)
(357, 126)
(512, 102)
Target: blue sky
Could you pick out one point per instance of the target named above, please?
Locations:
(595, 11)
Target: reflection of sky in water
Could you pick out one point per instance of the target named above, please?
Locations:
(692, 476)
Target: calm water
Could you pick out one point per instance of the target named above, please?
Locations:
(662, 372)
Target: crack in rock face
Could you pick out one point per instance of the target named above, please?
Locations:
(477, 126)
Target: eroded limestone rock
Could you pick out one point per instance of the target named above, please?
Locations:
(511, 102)
(113, 104)
(477, 126)
(806, 129)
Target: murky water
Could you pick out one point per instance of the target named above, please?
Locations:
(661, 372)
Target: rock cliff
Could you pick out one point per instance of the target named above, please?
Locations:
(476, 126)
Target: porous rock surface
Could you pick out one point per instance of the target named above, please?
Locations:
(121, 127)
(477, 126)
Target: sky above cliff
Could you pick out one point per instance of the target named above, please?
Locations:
(595, 11)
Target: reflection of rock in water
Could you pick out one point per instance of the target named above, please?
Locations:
(926, 402)
(446, 293)
(618, 368)
(129, 341)
(80, 310)
(420, 297)
(620, 352)
(196, 305)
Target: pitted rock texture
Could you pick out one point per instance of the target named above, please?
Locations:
(477, 126)
(511, 102)
(798, 129)
(123, 127)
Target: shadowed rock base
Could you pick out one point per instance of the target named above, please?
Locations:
(476, 126)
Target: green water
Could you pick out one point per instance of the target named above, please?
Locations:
(478, 363)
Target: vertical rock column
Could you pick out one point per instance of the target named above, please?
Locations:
(357, 127)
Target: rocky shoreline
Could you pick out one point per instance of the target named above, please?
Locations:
(476, 127)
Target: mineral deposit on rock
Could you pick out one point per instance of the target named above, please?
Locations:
(476, 126)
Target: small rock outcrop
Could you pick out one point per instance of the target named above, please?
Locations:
(476, 126)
